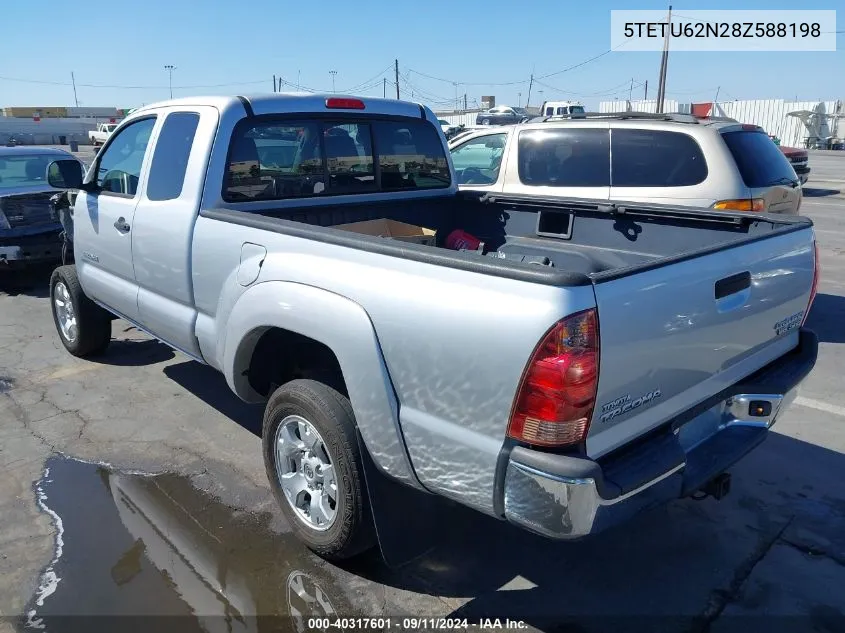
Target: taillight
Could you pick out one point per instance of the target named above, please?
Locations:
(743, 204)
(815, 286)
(557, 393)
(344, 103)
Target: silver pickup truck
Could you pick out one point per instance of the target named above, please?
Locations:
(559, 364)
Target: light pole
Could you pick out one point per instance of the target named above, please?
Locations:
(170, 68)
(333, 73)
(519, 100)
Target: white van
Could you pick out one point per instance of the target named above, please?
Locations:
(562, 108)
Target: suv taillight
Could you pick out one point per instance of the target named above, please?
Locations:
(557, 394)
(815, 287)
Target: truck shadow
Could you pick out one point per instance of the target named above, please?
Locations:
(825, 318)
(210, 386)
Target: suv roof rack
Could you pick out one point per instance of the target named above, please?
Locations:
(677, 117)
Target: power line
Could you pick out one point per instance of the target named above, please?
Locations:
(123, 87)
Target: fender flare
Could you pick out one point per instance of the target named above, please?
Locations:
(344, 327)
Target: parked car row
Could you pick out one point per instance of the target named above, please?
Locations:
(666, 159)
(317, 251)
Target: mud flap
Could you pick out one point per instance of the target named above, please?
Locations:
(407, 521)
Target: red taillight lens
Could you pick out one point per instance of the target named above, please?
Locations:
(557, 394)
(343, 103)
(815, 287)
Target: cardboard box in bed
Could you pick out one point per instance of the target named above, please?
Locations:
(392, 229)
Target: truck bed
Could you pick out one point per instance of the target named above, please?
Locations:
(585, 241)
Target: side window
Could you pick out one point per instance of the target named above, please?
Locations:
(574, 157)
(477, 161)
(410, 155)
(170, 159)
(550, 111)
(270, 161)
(119, 168)
(652, 158)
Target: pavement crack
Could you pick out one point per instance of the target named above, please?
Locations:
(811, 550)
(721, 598)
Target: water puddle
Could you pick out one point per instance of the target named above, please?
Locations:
(138, 552)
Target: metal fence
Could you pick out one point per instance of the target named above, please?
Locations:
(811, 120)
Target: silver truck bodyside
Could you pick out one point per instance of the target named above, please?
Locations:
(484, 339)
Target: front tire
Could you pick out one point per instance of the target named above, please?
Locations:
(315, 468)
(84, 327)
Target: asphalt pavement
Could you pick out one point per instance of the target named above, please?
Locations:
(133, 484)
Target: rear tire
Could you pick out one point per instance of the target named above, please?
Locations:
(485, 121)
(350, 530)
(84, 327)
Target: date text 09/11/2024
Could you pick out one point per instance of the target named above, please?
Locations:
(412, 624)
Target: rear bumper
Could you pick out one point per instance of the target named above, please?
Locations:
(30, 249)
(567, 497)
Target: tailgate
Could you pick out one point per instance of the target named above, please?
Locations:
(677, 334)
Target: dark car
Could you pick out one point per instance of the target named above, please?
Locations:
(30, 228)
(501, 115)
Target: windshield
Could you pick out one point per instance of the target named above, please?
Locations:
(577, 109)
(520, 110)
(23, 171)
(442, 122)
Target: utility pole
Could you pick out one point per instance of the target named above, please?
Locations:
(298, 80)
(518, 99)
(664, 62)
(274, 84)
(631, 90)
(530, 83)
(645, 92)
(396, 74)
(716, 100)
(170, 68)
(384, 87)
(465, 102)
(333, 73)
(73, 81)
(457, 104)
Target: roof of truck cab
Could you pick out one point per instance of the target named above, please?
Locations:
(283, 102)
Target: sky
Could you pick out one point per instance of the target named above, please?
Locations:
(118, 52)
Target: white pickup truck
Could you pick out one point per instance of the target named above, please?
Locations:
(102, 133)
(559, 364)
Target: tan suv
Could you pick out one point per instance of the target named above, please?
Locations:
(667, 159)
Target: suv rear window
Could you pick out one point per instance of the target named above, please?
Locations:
(274, 160)
(578, 157)
(653, 158)
(759, 160)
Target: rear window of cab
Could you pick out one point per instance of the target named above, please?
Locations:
(277, 159)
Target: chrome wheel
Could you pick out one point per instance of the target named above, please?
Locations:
(306, 473)
(65, 312)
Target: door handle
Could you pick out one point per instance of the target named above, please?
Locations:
(121, 225)
(731, 285)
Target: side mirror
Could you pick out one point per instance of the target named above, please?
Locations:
(65, 174)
